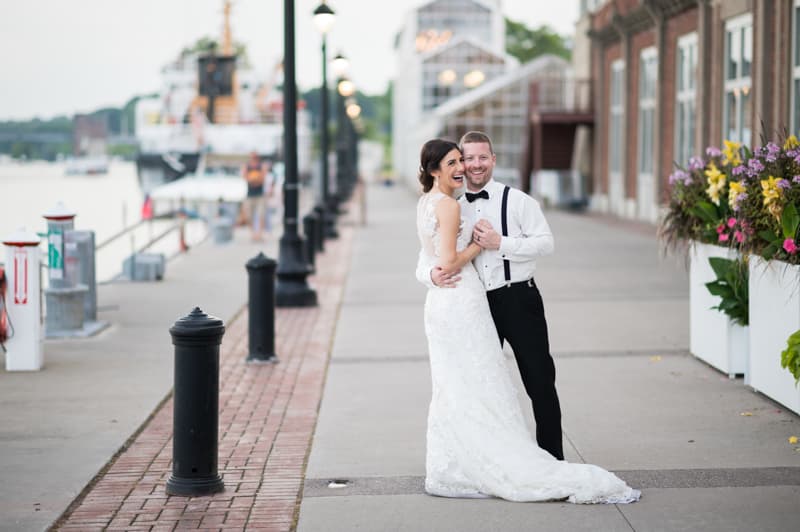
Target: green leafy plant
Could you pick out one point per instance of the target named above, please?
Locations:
(784, 238)
(790, 357)
(731, 287)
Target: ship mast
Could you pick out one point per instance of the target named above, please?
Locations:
(227, 40)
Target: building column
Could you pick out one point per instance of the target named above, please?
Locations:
(658, 119)
(763, 64)
(705, 62)
(600, 125)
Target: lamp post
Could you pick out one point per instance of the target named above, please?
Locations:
(340, 66)
(291, 288)
(344, 156)
(324, 18)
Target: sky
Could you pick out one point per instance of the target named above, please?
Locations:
(60, 57)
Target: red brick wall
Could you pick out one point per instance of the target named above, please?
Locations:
(782, 66)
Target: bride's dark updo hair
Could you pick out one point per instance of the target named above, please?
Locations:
(430, 157)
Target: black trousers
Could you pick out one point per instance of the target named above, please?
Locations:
(518, 314)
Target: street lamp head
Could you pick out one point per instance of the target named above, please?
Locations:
(346, 87)
(324, 18)
(353, 110)
(340, 65)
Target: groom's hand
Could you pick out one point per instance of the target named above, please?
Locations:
(443, 279)
(485, 235)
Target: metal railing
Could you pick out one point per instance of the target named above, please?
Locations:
(561, 95)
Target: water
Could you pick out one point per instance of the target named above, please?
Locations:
(104, 204)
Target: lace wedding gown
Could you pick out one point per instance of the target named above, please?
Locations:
(478, 443)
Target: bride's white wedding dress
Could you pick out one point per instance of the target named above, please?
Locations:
(478, 443)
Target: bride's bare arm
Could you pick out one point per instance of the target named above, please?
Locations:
(448, 214)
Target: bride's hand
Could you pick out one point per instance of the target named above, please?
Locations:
(443, 279)
(485, 236)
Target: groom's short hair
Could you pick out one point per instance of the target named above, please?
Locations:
(475, 137)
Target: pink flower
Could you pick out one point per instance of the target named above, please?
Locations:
(723, 237)
(731, 222)
(720, 228)
(789, 246)
(739, 236)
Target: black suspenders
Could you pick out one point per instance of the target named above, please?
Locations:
(504, 225)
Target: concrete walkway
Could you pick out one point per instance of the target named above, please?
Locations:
(708, 453)
(61, 425)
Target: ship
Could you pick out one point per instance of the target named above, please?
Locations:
(213, 109)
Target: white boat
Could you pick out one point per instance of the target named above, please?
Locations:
(213, 102)
(86, 165)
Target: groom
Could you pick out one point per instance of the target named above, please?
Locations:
(506, 266)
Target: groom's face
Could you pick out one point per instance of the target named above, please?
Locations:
(479, 163)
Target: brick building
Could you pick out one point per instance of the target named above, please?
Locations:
(672, 77)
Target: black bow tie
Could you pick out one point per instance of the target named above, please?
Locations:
(472, 197)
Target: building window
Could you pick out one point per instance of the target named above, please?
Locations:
(685, 94)
(648, 73)
(796, 66)
(737, 102)
(616, 115)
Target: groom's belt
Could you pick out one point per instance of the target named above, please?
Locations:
(530, 282)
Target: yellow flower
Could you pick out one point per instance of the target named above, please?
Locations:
(791, 143)
(735, 188)
(716, 182)
(792, 439)
(770, 190)
(731, 153)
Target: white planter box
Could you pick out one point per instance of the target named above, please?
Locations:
(712, 337)
(774, 315)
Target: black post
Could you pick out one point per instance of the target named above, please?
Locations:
(341, 151)
(327, 216)
(319, 234)
(261, 309)
(291, 290)
(310, 224)
(196, 337)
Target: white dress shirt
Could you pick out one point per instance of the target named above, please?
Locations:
(529, 237)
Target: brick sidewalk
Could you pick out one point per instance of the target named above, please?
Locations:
(266, 422)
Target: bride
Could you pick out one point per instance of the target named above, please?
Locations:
(478, 444)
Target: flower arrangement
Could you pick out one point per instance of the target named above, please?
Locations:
(769, 202)
(735, 197)
(700, 208)
(745, 199)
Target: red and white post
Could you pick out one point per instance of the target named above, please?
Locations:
(23, 303)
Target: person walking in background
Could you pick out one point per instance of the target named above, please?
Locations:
(255, 173)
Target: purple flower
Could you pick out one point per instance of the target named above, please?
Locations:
(796, 179)
(792, 153)
(773, 149)
(739, 170)
(783, 183)
(696, 163)
(736, 203)
(756, 165)
(797, 159)
(679, 175)
(713, 151)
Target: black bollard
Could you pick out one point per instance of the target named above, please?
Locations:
(325, 226)
(261, 309)
(196, 337)
(310, 223)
